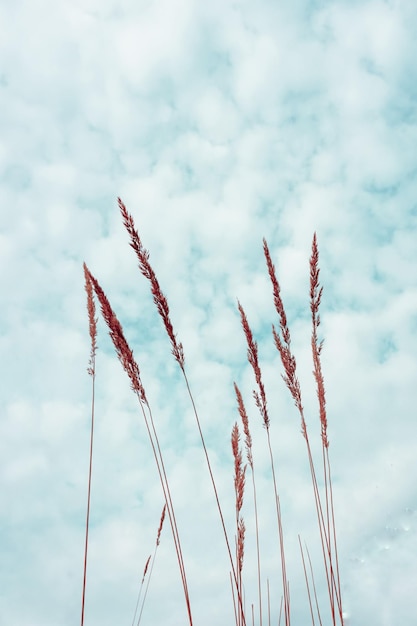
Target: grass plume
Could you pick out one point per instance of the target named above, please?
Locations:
(178, 353)
(249, 455)
(323, 497)
(260, 400)
(126, 358)
(282, 340)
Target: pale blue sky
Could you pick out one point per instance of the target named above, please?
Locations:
(218, 124)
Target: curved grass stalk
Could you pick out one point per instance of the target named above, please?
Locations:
(158, 538)
(260, 400)
(325, 514)
(92, 371)
(178, 353)
(125, 355)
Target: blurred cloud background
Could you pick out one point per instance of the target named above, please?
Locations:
(217, 124)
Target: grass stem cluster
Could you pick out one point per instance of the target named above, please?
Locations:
(257, 613)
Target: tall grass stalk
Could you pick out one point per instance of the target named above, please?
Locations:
(260, 400)
(125, 355)
(145, 571)
(138, 601)
(249, 455)
(239, 483)
(178, 353)
(92, 320)
(326, 520)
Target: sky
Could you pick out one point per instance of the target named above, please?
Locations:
(218, 124)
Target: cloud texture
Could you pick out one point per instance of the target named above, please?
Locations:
(217, 124)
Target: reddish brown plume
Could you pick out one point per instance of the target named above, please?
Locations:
(260, 398)
(315, 298)
(124, 353)
(147, 270)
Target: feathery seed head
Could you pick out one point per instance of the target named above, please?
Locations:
(252, 354)
(147, 270)
(124, 353)
(245, 421)
(92, 320)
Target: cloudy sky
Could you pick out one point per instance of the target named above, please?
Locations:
(218, 123)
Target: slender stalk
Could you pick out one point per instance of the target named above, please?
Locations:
(316, 292)
(145, 570)
(326, 520)
(306, 579)
(87, 523)
(260, 400)
(177, 350)
(280, 611)
(233, 588)
(216, 495)
(286, 598)
(92, 372)
(158, 538)
(125, 355)
(248, 443)
(314, 586)
(241, 529)
(239, 484)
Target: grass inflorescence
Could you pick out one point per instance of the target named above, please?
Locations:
(259, 612)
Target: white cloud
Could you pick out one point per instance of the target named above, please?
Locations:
(217, 124)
